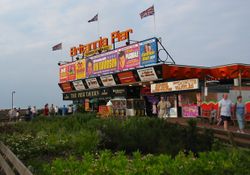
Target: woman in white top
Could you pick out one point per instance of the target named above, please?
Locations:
(225, 110)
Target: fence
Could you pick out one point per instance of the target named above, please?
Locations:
(10, 164)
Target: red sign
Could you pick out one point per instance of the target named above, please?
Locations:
(126, 77)
(63, 73)
(66, 87)
(71, 71)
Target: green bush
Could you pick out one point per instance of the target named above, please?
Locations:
(107, 163)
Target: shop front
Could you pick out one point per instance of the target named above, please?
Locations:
(184, 96)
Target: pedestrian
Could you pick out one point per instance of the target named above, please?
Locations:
(239, 113)
(46, 110)
(162, 107)
(70, 109)
(56, 110)
(52, 110)
(168, 106)
(33, 112)
(225, 110)
(64, 110)
(154, 109)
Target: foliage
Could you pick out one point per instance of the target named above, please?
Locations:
(107, 163)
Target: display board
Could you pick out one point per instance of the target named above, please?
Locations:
(149, 52)
(108, 80)
(78, 85)
(92, 83)
(147, 74)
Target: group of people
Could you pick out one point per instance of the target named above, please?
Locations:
(15, 114)
(227, 110)
(50, 111)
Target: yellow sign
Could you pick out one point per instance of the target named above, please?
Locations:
(181, 85)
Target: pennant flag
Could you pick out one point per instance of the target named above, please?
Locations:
(95, 18)
(150, 11)
(57, 47)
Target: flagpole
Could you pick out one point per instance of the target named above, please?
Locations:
(154, 24)
(98, 27)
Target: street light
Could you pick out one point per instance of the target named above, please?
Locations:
(12, 98)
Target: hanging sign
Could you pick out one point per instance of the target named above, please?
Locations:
(147, 74)
(108, 80)
(92, 83)
(78, 85)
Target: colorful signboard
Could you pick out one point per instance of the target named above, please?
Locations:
(63, 73)
(190, 111)
(181, 85)
(66, 87)
(101, 64)
(147, 74)
(80, 69)
(126, 77)
(149, 52)
(78, 85)
(92, 83)
(108, 80)
(129, 57)
(71, 71)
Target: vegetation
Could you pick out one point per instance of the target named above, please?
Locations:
(138, 145)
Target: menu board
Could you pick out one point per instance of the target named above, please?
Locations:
(126, 77)
(108, 80)
(147, 74)
(92, 83)
(79, 85)
(149, 52)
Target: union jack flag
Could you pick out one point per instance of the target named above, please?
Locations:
(95, 18)
(148, 12)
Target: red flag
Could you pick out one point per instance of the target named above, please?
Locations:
(57, 47)
(150, 11)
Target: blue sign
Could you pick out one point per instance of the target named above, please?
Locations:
(149, 52)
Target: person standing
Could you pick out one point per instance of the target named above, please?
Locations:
(162, 107)
(225, 110)
(154, 109)
(168, 107)
(56, 110)
(240, 112)
(46, 110)
(52, 110)
(33, 111)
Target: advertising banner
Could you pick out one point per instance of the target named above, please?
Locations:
(129, 57)
(92, 83)
(78, 85)
(66, 87)
(108, 80)
(126, 77)
(63, 73)
(71, 71)
(147, 74)
(101, 64)
(190, 111)
(148, 52)
(181, 85)
(81, 69)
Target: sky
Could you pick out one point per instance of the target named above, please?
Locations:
(195, 32)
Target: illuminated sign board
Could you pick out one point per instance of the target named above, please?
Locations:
(79, 85)
(108, 80)
(181, 85)
(126, 77)
(103, 63)
(71, 71)
(149, 52)
(147, 74)
(80, 69)
(92, 83)
(63, 73)
(129, 57)
(66, 87)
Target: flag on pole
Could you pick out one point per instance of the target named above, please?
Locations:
(57, 47)
(148, 12)
(95, 18)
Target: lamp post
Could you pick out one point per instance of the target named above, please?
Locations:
(12, 98)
